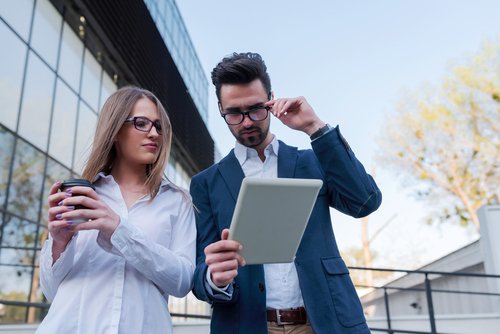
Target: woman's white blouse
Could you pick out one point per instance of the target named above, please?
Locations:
(123, 286)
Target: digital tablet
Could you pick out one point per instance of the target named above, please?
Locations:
(270, 217)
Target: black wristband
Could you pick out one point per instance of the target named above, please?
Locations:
(321, 131)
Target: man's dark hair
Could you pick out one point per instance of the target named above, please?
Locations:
(241, 68)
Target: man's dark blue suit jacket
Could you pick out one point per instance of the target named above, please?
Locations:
(329, 296)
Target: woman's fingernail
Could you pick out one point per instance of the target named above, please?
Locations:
(60, 203)
(69, 190)
(70, 207)
(66, 194)
(59, 216)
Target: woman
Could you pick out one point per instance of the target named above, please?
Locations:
(114, 272)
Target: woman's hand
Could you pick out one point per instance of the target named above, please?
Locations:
(60, 230)
(97, 214)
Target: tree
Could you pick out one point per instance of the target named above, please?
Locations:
(363, 256)
(446, 141)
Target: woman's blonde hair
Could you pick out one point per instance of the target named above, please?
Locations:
(115, 111)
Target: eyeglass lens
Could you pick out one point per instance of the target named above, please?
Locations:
(145, 124)
(255, 114)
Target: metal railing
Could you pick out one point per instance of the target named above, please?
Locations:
(427, 289)
(428, 293)
(45, 306)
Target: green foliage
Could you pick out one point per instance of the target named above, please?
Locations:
(13, 314)
(446, 140)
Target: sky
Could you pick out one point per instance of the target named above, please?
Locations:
(352, 61)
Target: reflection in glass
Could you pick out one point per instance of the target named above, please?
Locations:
(87, 121)
(63, 124)
(37, 295)
(13, 314)
(26, 184)
(108, 88)
(71, 58)
(6, 145)
(55, 172)
(11, 75)
(171, 170)
(18, 16)
(91, 80)
(19, 233)
(36, 314)
(15, 282)
(35, 112)
(43, 235)
(171, 27)
(17, 256)
(46, 28)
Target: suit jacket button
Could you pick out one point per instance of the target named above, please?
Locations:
(261, 287)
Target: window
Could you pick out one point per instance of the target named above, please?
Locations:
(18, 15)
(11, 75)
(55, 172)
(6, 146)
(45, 35)
(26, 184)
(15, 282)
(87, 121)
(91, 80)
(70, 62)
(108, 88)
(37, 101)
(63, 124)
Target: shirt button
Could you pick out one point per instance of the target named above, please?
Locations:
(261, 287)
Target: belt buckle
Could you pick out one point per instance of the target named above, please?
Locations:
(278, 319)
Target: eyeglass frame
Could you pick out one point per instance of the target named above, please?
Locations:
(244, 113)
(151, 123)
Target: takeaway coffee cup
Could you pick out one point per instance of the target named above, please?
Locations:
(76, 183)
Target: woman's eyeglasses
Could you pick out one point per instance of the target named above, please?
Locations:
(144, 124)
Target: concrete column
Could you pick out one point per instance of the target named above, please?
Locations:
(489, 218)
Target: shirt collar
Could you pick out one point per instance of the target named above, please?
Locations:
(108, 178)
(244, 153)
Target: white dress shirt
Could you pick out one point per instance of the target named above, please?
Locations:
(122, 286)
(282, 282)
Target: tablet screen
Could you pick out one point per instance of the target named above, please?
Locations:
(270, 217)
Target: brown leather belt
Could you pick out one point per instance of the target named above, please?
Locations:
(292, 316)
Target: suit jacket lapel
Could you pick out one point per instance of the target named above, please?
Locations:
(231, 172)
(287, 159)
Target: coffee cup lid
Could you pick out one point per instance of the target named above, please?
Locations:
(77, 182)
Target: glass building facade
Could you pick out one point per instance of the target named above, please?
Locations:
(60, 61)
(171, 27)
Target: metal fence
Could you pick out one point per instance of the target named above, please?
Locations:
(427, 289)
(428, 293)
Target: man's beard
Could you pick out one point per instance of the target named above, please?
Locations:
(255, 139)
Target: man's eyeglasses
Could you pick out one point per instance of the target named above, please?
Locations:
(257, 113)
(144, 124)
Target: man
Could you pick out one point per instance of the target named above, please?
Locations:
(314, 293)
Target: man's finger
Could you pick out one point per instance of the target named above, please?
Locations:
(225, 234)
